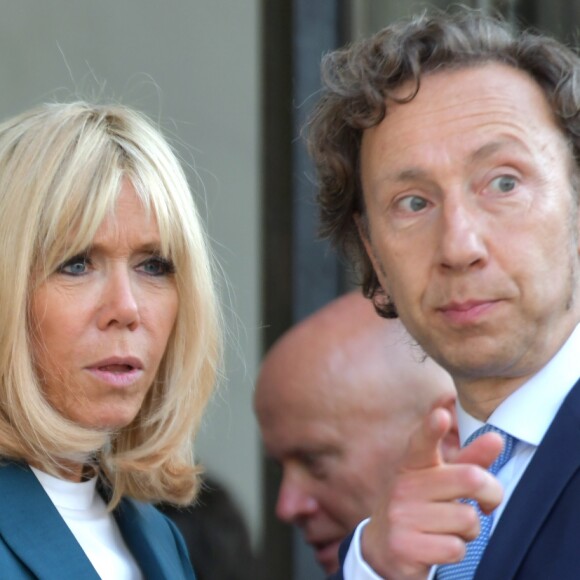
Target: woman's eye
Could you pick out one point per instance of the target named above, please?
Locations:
(504, 183)
(412, 203)
(75, 266)
(157, 266)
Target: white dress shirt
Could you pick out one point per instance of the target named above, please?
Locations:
(526, 415)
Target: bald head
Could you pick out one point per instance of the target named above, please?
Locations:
(347, 353)
(336, 400)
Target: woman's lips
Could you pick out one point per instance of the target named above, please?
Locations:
(117, 371)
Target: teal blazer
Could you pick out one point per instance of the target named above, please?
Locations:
(35, 542)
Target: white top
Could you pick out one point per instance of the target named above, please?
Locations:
(95, 529)
(540, 397)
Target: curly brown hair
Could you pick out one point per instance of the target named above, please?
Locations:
(359, 80)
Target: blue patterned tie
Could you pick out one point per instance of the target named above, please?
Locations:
(465, 570)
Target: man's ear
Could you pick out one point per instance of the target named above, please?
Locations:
(578, 230)
(575, 187)
(363, 232)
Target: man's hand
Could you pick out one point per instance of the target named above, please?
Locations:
(419, 521)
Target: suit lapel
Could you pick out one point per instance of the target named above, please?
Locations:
(35, 531)
(554, 463)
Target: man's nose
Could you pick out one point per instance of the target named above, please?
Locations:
(119, 305)
(294, 500)
(461, 244)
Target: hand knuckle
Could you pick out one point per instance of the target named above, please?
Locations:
(399, 556)
(454, 550)
(474, 477)
(470, 519)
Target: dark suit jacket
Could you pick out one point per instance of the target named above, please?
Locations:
(35, 542)
(538, 534)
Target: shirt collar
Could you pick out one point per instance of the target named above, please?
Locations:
(527, 413)
(67, 494)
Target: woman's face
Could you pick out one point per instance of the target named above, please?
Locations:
(101, 322)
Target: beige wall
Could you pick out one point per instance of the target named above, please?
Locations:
(194, 65)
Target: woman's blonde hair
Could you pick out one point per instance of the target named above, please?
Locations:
(61, 170)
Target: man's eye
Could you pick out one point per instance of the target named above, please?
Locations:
(412, 203)
(157, 266)
(75, 266)
(315, 465)
(504, 183)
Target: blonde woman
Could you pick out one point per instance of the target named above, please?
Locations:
(109, 345)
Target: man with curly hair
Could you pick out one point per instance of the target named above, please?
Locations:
(447, 149)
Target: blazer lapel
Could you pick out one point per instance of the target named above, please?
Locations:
(35, 531)
(149, 537)
(554, 463)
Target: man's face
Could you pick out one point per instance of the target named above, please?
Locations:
(472, 227)
(335, 458)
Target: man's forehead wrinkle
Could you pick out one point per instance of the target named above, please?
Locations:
(419, 173)
(454, 111)
(473, 121)
(494, 136)
(454, 107)
(457, 101)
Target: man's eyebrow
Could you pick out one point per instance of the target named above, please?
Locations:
(403, 176)
(490, 149)
(410, 174)
(321, 450)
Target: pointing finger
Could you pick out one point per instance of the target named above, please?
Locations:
(483, 451)
(425, 443)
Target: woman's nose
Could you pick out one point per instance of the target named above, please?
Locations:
(119, 305)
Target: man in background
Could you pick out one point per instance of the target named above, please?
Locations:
(336, 400)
